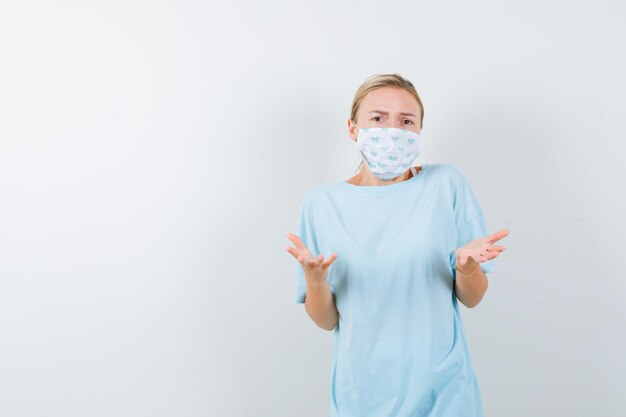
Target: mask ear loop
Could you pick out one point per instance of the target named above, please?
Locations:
(360, 163)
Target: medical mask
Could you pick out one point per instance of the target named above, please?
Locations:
(388, 151)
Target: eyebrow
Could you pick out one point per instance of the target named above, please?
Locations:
(387, 113)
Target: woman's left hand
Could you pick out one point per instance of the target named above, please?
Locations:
(482, 249)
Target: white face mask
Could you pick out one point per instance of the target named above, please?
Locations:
(388, 151)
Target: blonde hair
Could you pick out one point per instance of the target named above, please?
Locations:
(383, 80)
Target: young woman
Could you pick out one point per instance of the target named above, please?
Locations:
(404, 243)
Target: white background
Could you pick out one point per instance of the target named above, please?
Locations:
(153, 156)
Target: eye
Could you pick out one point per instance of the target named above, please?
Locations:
(410, 121)
(375, 118)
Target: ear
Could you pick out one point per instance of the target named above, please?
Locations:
(353, 131)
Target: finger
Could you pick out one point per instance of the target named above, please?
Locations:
(496, 248)
(293, 251)
(296, 241)
(491, 252)
(330, 260)
(498, 235)
(300, 257)
(493, 255)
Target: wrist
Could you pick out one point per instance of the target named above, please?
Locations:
(315, 282)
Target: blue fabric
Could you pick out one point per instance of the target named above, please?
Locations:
(399, 348)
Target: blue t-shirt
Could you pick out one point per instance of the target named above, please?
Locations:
(399, 348)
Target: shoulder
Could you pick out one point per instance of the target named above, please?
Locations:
(312, 192)
(312, 196)
(447, 172)
(319, 190)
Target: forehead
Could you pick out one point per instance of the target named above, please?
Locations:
(389, 99)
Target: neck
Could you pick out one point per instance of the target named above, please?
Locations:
(365, 177)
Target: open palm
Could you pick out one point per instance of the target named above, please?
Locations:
(316, 268)
(482, 249)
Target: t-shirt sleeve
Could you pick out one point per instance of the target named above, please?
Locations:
(470, 222)
(307, 232)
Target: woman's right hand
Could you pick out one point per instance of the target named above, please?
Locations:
(314, 269)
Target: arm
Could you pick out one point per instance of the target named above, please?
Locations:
(318, 298)
(471, 282)
(320, 304)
